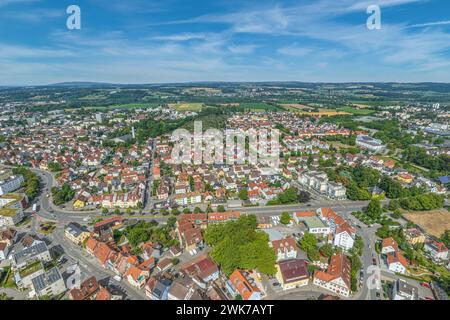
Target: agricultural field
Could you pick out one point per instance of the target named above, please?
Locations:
(118, 106)
(304, 110)
(258, 106)
(360, 112)
(434, 222)
(195, 107)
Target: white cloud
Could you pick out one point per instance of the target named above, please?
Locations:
(431, 24)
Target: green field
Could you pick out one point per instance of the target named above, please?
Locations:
(258, 106)
(119, 106)
(360, 112)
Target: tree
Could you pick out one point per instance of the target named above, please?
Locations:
(374, 209)
(105, 211)
(313, 254)
(220, 208)
(175, 211)
(285, 218)
(197, 210)
(309, 244)
(394, 205)
(303, 196)
(238, 245)
(186, 211)
(243, 194)
(128, 211)
(327, 250)
(117, 211)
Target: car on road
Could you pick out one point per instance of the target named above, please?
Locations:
(117, 278)
(425, 285)
(276, 284)
(374, 261)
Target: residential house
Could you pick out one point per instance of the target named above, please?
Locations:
(402, 290)
(344, 236)
(337, 277)
(414, 236)
(137, 277)
(437, 250)
(87, 290)
(38, 251)
(292, 273)
(76, 233)
(50, 284)
(285, 248)
(157, 289)
(244, 286)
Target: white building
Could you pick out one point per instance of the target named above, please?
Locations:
(285, 248)
(49, 284)
(11, 210)
(344, 237)
(437, 250)
(404, 291)
(369, 143)
(336, 191)
(11, 184)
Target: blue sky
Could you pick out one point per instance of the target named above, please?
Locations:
(149, 41)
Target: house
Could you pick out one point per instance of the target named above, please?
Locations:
(183, 289)
(219, 217)
(50, 284)
(137, 277)
(388, 245)
(437, 250)
(396, 262)
(8, 236)
(344, 236)
(23, 277)
(314, 225)
(336, 191)
(285, 248)
(163, 265)
(38, 251)
(107, 225)
(202, 267)
(87, 290)
(367, 142)
(76, 233)
(12, 183)
(188, 198)
(244, 286)
(405, 177)
(337, 277)
(292, 273)
(11, 209)
(157, 289)
(404, 291)
(190, 236)
(414, 236)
